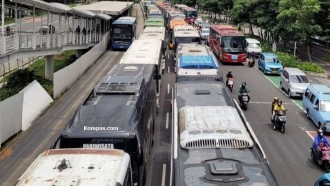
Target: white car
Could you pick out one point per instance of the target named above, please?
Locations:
(253, 45)
(294, 81)
(204, 32)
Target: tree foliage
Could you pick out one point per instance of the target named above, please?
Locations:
(296, 20)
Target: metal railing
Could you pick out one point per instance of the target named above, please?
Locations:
(44, 41)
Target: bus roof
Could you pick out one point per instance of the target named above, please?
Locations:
(221, 123)
(153, 33)
(125, 20)
(213, 142)
(195, 56)
(176, 22)
(180, 5)
(189, 9)
(147, 51)
(83, 167)
(184, 28)
(190, 93)
(113, 107)
(154, 21)
(226, 30)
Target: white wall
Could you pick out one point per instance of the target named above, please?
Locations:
(21, 110)
(66, 77)
(10, 116)
(36, 99)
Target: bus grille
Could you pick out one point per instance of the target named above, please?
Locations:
(217, 143)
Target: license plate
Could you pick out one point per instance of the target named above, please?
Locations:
(121, 46)
(234, 57)
(275, 71)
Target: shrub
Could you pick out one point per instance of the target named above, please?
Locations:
(288, 60)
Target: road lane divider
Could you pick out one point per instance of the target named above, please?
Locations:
(163, 175)
(167, 119)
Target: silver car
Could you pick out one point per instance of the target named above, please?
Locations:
(294, 82)
(204, 32)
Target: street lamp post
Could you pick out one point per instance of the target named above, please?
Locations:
(3, 24)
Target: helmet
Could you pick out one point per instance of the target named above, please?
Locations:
(275, 98)
(229, 71)
(320, 132)
(279, 102)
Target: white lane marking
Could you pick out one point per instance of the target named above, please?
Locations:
(168, 69)
(164, 174)
(309, 134)
(168, 88)
(167, 119)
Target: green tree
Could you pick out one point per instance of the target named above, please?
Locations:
(242, 12)
(296, 21)
(265, 15)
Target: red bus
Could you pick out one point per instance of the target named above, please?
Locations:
(191, 14)
(227, 43)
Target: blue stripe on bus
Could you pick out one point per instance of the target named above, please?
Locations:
(197, 62)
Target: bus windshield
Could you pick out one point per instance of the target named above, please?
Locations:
(191, 13)
(122, 32)
(127, 144)
(233, 44)
(179, 40)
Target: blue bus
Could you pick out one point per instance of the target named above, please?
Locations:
(124, 31)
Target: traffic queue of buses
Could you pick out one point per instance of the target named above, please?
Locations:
(109, 139)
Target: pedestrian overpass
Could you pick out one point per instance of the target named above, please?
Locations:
(65, 28)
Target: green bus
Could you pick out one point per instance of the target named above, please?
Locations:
(154, 22)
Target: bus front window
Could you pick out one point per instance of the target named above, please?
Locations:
(191, 13)
(233, 44)
(122, 32)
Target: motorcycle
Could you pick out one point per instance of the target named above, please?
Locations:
(279, 121)
(251, 62)
(324, 162)
(230, 84)
(244, 99)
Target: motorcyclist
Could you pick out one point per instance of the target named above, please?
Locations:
(241, 90)
(229, 75)
(318, 139)
(278, 108)
(274, 103)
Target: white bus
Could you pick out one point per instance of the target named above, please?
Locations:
(185, 34)
(211, 144)
(147, 51)
(196, 61)
(79, 167)
(154, 33)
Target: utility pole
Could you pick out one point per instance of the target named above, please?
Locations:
(3, 24)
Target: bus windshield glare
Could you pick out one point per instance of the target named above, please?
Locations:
(122, 32)
(233, 44)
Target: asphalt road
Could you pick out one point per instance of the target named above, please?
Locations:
(288, 154)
